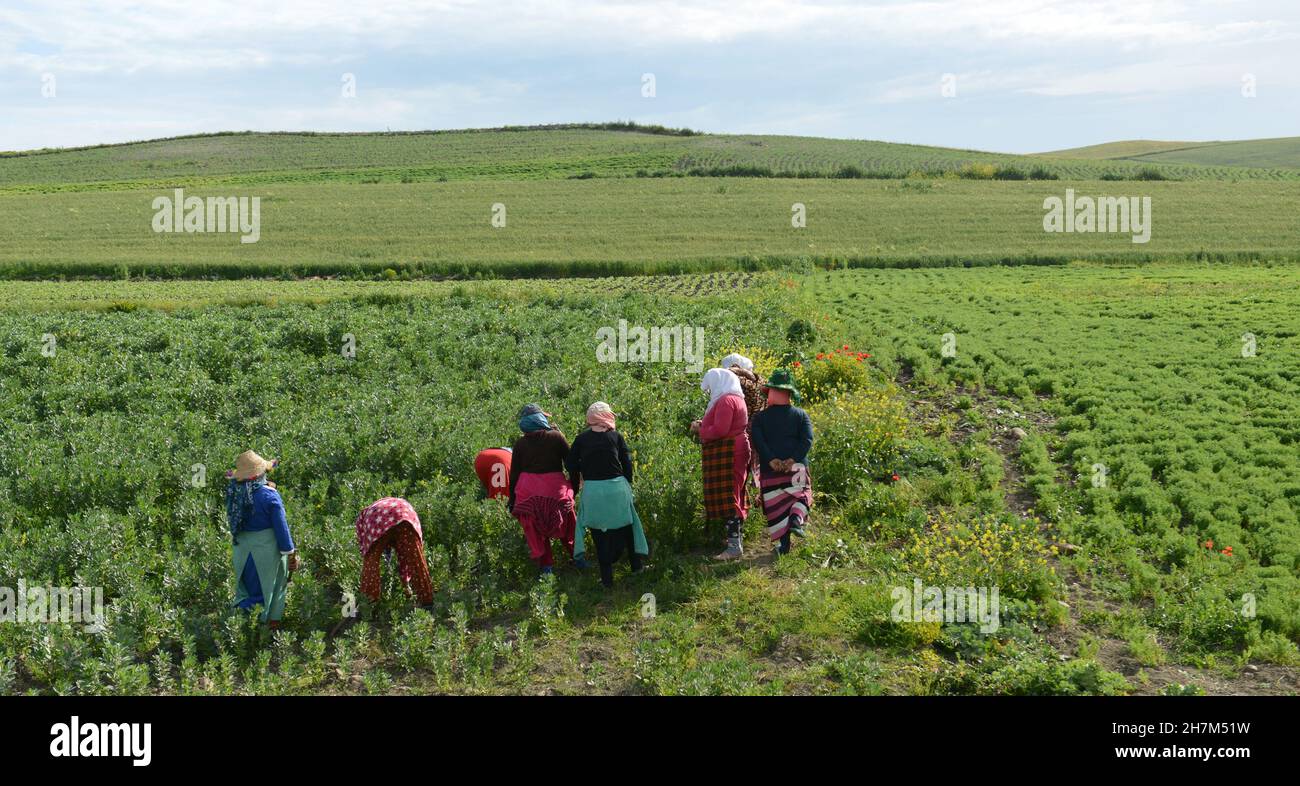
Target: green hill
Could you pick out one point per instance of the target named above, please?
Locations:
(1131, 148)
(1280, 153)
(557, 152)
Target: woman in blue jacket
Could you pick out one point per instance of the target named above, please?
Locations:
(264, 553)
(782, 435)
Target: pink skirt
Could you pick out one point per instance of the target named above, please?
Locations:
(544, 508)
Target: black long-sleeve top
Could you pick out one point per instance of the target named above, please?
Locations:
(782, 432)
(598, 455)
(537, 451)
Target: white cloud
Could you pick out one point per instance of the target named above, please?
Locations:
(133, 35)
(136, 68)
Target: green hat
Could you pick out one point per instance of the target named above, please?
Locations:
(782, 379)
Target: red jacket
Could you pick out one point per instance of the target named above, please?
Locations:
(493, 469)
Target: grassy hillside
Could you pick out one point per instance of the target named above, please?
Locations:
(250, 159)
(1281, 153)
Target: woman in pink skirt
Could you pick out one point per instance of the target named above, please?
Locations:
(541, 497)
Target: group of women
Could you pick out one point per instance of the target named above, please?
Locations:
(753, 430)
(750, 432)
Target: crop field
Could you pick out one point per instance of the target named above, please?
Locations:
(1106, 431)
(115, 425)
(170, 294)
(104, 438)
(595, 227)
(1173, 391)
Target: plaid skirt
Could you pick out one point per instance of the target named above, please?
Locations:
(724, 487)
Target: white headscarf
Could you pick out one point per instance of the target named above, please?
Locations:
(735, 359)
(719, 382)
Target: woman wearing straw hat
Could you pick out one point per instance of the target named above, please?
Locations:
(264, 553)
(783, 435)
(600, 468)
(541, 497)
(724, 456)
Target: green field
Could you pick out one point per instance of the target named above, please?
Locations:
(634, 225)
(130, 377)
(1281, 153)
(1145, 371)
(421, 205)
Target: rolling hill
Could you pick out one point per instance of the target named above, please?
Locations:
(558, 152)
(1280, 153)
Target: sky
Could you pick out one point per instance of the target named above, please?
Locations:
(1015, 76)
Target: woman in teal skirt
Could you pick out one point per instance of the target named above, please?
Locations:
(600, 468)
(263, 550)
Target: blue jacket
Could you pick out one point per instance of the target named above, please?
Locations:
(268, 513)
(780, 432)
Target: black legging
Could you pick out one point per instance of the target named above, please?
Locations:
(609, 547)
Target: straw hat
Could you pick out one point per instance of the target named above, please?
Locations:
(249, 465)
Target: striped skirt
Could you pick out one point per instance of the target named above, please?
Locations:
(786, 495)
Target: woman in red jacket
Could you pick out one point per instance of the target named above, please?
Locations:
(724, 447)
(493, 469)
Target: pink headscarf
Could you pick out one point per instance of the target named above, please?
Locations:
(600, 417)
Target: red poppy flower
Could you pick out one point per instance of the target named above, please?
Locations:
(1227, 551)
(846, 347)
(821, 355)
(1209, 544)
(797, 364)
(895, 476)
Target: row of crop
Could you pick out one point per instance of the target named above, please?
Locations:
(1171, 435)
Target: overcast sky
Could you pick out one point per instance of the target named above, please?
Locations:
(1028, 75)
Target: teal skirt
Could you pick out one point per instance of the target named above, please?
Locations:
(272, 571)
(606, 505)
